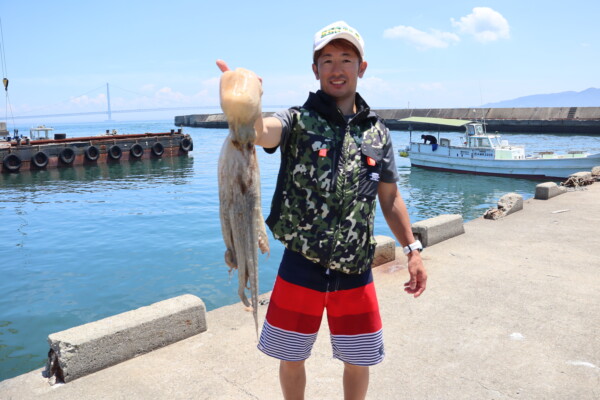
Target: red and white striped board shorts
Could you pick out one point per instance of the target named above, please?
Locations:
(302, 291)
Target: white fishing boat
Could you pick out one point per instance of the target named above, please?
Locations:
(488, 154)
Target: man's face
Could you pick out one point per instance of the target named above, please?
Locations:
(338, 70)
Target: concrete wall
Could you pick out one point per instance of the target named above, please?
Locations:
(530, 113)
(532, 119)
(205, 120)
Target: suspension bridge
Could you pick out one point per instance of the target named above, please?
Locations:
(109, 114)
(109, 111)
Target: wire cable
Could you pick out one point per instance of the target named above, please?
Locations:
(130, 91)
(4, 75)
(64, 101)
(2, 54)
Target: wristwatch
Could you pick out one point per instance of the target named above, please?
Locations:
(412, 247)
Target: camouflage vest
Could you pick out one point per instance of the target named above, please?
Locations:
(324, 203)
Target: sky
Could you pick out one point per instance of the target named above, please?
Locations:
(59, 55)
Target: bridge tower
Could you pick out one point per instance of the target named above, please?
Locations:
(108, 102)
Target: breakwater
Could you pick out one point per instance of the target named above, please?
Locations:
(523, 120)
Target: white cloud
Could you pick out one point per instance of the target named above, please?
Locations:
(485, 24)
(381, 92)
(149, 87)
(167, 94)
(422, 40)
(86, 100)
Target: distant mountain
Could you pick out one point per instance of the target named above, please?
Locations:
(586, 98)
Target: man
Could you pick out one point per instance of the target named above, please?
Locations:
(429, 139)
(336, 158)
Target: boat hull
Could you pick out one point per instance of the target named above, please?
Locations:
(481, 162)
(64, 153)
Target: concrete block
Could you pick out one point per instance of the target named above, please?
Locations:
(385, 250)
(84, 349)
(582, 176)
(438, 229)
(547, 190)
(579, 179)
(508, 204)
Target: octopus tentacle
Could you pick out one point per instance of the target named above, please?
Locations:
(242, 223)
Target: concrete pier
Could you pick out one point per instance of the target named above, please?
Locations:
(511, 311)
(524, 120)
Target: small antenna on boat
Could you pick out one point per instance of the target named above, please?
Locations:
(481, 107)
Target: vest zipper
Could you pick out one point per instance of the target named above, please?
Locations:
(328, 273)
(341, 174)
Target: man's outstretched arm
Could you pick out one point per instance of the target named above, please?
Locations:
(396, 215)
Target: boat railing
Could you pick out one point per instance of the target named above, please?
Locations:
(36, 133)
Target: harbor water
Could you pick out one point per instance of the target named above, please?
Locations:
(84, 243)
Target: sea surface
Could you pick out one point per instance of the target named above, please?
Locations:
(81, 244)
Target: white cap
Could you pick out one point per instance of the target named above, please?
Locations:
(339, 30)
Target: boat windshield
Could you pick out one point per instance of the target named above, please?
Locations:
(475, 129)
(480, 141)
(495, 141)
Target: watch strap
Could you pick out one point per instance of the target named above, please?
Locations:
(412, 247)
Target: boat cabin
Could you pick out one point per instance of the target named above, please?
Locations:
(476, 137)
(474, 129)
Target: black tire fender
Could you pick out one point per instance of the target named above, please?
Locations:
(136, 151)
(12, 162)
(158, 149)
(67, 155)
(92, 153)
(115, 152)
(40, 159)
(186, 144)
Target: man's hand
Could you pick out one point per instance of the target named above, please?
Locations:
(268, 130)
(224, 68)
(418, 275)
(395, 213)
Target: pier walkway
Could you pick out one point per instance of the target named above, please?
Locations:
(512, 311)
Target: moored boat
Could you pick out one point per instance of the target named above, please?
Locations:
(20, 154)
(486, 154)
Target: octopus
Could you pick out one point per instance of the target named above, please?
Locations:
(242, 222)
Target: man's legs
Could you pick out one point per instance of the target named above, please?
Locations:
(356, 382)
(356, 329)
(292, 377)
